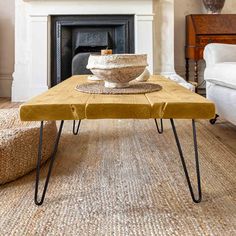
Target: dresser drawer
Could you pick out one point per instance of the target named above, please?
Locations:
(203, 40)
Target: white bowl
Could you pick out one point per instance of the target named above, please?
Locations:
(117, 70)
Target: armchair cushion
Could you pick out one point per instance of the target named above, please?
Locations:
(223, 74)
(216, 53)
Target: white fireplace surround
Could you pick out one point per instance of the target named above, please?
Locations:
(154, 35)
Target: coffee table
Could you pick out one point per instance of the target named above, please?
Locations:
(63, 102)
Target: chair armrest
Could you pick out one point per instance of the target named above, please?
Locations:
(216, 53)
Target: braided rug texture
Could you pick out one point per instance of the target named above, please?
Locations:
(134, 88)
(122, 178)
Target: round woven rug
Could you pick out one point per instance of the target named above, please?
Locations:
(134, 88)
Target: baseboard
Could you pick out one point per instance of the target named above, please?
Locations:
(202, 89)
(180, 70)
(5, 85)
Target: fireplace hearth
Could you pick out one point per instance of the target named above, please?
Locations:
(74, 38)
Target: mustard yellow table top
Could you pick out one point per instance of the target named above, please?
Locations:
(63, 102)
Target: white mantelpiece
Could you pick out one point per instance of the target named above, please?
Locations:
(154, 35)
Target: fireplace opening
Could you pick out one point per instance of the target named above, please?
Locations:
(91, 41)
(75, 38)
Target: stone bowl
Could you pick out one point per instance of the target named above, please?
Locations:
(117, 70)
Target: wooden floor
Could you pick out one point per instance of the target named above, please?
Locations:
(222, 130)
(6, 103)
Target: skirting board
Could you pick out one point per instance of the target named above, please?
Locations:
(202, 88)
(5, 85)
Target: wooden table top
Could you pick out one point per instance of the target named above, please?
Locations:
(63, 102)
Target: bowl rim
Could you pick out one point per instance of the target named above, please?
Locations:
(119, 54)
(107, 65)
(117, 67)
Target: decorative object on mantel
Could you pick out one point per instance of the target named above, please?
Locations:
(117, 70)
(134, 88)
(214, 6)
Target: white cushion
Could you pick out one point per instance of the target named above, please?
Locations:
(223, 74)
(217, 53)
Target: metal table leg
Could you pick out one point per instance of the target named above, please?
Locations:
(159, 130)
(199, 199)
(52, 159)
(76, 130)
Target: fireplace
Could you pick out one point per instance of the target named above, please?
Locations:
(153, 35)
(74, 38)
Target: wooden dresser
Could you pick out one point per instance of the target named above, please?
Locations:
(204, 29)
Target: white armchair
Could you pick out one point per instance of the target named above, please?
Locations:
(220, 77)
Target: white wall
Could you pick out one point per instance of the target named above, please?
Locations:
(182, 8)
(6, 46)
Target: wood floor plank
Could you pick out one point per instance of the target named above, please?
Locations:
(5, 103)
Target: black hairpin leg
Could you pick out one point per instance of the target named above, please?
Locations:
(52, 159)
(76, 129)
(160, 130)
(196, 200)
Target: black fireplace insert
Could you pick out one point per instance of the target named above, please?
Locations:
(74, 38)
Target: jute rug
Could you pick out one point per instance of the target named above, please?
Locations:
(122, 178)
